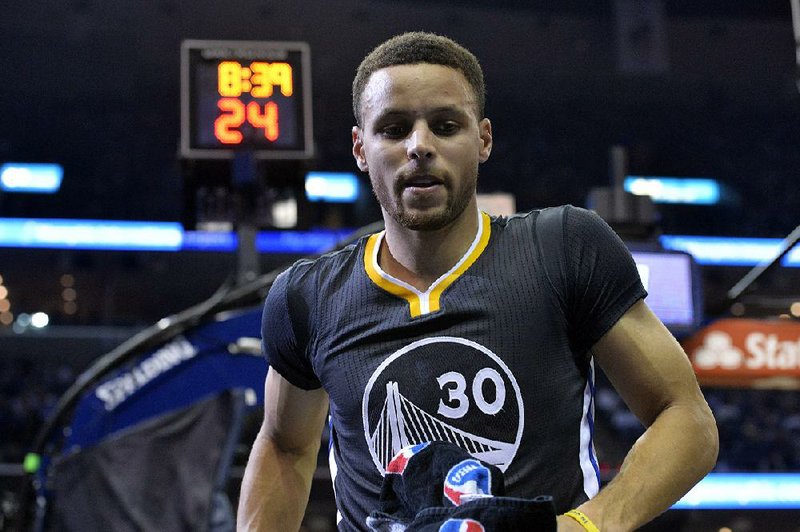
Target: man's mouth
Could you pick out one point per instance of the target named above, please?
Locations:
(422, 181)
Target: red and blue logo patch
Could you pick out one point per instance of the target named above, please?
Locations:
(400, 460)
(461, 525)
(468, 477)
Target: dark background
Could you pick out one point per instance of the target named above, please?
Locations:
(95, 86)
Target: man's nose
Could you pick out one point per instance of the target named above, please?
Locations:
(420, 144)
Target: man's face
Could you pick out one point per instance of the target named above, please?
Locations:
(421, 143)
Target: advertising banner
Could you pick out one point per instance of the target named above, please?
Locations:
(747, 352)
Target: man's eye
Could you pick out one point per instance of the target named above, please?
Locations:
(393, 131)
(446, 128)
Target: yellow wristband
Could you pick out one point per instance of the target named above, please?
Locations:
(584, 521)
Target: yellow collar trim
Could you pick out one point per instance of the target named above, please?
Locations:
(421, 303)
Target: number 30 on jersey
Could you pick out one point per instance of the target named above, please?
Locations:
(458, 403)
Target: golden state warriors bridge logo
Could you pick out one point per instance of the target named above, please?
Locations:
(443, 389)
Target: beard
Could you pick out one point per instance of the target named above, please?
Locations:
(426, 219)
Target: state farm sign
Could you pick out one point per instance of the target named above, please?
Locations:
(746, 348)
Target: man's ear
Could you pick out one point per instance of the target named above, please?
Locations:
(485, 131)
(358, 150)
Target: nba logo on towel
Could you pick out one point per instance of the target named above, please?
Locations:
(468, 477)
(400, 460)
(461, 525)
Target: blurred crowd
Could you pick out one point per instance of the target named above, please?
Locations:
(759, 429)
(29, 391)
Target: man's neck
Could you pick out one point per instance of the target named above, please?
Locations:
(420, 257)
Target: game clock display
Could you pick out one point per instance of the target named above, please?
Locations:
(245, 95)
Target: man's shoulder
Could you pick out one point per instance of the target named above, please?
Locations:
(547, 219)
(551, 230)
(327, 266)
(528, 220)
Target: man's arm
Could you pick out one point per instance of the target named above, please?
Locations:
(277, 480)
(653, 376)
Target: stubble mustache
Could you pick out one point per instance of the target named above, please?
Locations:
(420, 177)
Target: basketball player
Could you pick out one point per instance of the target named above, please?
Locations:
(453, 325)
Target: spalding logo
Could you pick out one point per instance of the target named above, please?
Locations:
(461, 525)
(468, 477)
(400, 460)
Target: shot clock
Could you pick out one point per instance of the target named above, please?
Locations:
(245, 95)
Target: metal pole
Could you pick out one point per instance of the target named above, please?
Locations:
(244, 185)
(796, 27)
(753, 275)
(619, 169)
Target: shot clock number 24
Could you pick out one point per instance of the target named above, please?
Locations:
(260, 79)
(246, 95)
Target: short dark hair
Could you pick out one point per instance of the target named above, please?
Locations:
(419, 47)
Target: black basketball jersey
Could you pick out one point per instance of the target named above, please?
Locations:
(494, 356)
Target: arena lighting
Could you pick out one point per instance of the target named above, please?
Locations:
(294, 242)
(692, 191)
(335, 187)
(169, 236)
(37, 178)
(728, 251)
(40, 320)
(301, 242)
(90, 234)
(152, 236)
(284, 213)
(221, 241)
(744, 491)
